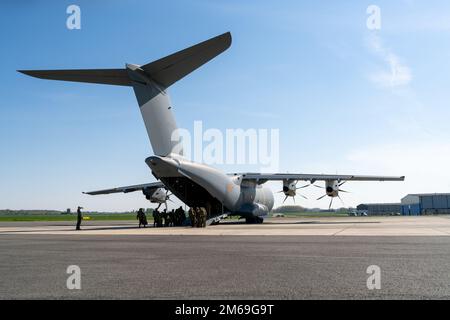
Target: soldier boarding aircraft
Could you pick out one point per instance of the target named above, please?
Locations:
(196, 184)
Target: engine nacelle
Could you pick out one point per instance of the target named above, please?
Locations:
(289, 188)
(332, 188)
(155, 195)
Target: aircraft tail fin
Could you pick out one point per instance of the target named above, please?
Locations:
(150, 82)
(165, 71)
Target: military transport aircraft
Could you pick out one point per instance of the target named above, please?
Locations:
(196, 184)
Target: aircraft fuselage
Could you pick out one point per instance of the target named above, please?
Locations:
(199, 185)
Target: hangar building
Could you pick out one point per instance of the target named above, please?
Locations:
(425, 203)
(376, 209)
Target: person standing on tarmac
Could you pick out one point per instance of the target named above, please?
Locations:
(193, 217)
(172, 218)
(182, 215)
(163, 217)
(158, 218)
(204, 216)
(79, 218)
(198, 217)
(168, 219)
(141, 217)
(177, 217)
(154, 217)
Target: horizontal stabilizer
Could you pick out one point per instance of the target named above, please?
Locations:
(170, 69)
(165, 71)
(105, 76)
(149, 82)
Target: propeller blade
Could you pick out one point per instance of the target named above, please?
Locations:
(293, 198)
(303, 196)
(322, 196)
(340, 184)
(280, 191)
(340, 190)
(285, 199)
(318, 186)
(307, 185)
(331, 203)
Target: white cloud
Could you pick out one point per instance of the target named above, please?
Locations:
(394, 73)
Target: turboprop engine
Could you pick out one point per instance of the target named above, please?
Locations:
(157, 195)
(332, 189)
(290, 189)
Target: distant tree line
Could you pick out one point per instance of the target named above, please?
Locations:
(4, 212)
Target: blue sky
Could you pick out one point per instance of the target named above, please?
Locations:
(346, 99)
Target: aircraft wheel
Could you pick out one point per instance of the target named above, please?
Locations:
(254, 220)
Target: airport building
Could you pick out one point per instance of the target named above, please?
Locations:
(411, 205)
(377, 209)
(425, 203)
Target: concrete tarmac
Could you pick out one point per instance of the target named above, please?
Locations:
(219, 264)
(320, 226)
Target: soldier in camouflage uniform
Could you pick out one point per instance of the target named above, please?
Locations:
(154, 218)
(194, 212)
(204, 215)
(182, 216)
(158, 218)
(198, 216)
(164, 218)
(176, 217)
(141, 217)
(192, 216)
(172, 218)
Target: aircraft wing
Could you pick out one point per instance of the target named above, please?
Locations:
(127, 189)
(264, 177)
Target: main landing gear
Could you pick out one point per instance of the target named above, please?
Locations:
(254, 220)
